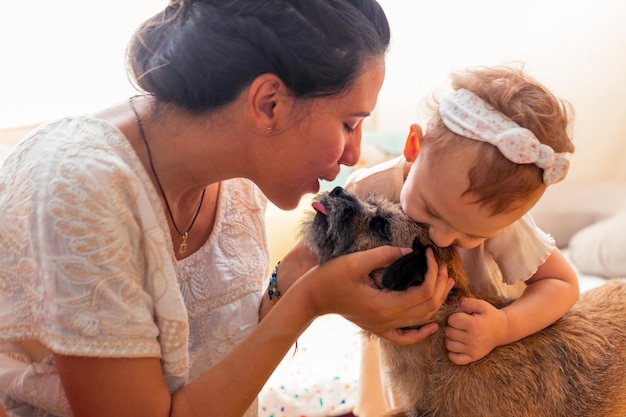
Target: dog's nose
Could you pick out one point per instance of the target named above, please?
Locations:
(339, 192)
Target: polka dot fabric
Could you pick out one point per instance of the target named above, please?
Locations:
(320, 377)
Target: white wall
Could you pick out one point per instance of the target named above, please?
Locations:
(576, 48)
(66, 56)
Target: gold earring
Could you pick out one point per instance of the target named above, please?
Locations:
(268, 128)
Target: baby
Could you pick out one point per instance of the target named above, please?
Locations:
(494, 145)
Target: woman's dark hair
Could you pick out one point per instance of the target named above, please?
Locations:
(200, 54)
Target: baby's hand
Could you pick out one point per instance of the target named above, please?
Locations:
(474, 332)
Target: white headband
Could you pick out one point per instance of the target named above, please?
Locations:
(466, 114)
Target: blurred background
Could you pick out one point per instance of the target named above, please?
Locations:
(67, 56)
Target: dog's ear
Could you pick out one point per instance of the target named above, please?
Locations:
(407, 271)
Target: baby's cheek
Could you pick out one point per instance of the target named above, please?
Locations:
(404, 202)
(469, 243)
(412, 212)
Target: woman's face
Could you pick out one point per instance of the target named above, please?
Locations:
(327, 134)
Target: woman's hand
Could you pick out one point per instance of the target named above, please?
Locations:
(343, 286)
(295, 264)
(292, 267)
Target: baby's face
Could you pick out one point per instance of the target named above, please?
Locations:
(433, 195)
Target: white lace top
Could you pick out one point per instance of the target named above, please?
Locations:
(87, 266)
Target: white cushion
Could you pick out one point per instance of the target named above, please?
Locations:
(566, 208)
(600, 249)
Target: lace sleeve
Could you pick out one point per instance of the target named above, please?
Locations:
(520, 249)
(72, 253)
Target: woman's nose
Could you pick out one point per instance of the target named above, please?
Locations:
(352, 150)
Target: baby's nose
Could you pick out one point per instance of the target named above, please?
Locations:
(441, 237)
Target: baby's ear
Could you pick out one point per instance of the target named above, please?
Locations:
(412, 144)
(407, 271)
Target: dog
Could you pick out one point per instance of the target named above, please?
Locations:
(574, 368)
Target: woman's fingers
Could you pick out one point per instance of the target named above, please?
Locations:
(437, 284)
(342, 286)
(409, 336)
(423, 301)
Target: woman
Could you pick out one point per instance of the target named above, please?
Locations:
(135, 257)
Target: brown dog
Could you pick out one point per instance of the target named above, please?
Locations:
(574, 368)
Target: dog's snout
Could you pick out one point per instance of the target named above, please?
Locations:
(339, 192)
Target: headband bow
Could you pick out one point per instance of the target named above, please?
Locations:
(466, 114)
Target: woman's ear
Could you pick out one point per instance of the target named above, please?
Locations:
(263, 97)
(412, 145)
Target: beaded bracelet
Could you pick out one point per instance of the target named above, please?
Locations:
(272, 288)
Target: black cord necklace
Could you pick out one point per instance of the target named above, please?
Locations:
(183, 246)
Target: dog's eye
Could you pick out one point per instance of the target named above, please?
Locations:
(379, 226)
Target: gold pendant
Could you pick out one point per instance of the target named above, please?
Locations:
(183, 246)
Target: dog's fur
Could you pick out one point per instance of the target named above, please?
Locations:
(574, 368)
